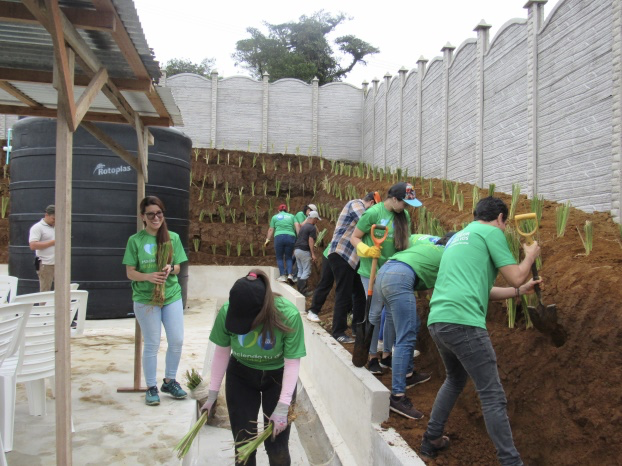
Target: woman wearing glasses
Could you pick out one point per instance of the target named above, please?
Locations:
(145, 250)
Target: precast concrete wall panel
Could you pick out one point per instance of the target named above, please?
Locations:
(462, 105)
(193, 96)
(410, 137)
(505, 109)
(339, 121)
(575, 87)
(239, 114)
(393, 123)
(380, 125)
(290, 116)
(368, 128)
(432, 121)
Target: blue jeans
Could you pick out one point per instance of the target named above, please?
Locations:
(284, 246)
(375, 312)
(467, 352)
(303, 259)
(395, 285)
(150, 318)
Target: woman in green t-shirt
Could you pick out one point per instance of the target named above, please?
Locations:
(391, 213)
(145, 250)
(259, 340)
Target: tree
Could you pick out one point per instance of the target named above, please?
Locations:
(181, 65)
(301, 50)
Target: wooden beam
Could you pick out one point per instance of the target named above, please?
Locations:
(142, 152)
(90, 116)
(81, 18)
(89, 94)
(113, 145)
(63, 62)
(156, 102)
(19, 95)
(123, 40)
(45, 77)
(62, 272)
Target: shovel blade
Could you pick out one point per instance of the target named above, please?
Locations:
(544, 319)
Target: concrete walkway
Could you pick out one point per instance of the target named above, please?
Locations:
(118, 428)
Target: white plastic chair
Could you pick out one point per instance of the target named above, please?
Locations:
(8, 288)
(79, 301)
(13, 319)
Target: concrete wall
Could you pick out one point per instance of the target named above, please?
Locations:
(342, 403)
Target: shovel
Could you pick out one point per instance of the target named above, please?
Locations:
(364, 329)
(544, 318)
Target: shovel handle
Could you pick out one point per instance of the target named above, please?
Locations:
(527, 235)
(536, 276)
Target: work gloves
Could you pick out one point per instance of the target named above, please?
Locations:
(212, 396)
(363, 250)
(279, 419)
(265, 245)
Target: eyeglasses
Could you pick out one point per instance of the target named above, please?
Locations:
(152, 215)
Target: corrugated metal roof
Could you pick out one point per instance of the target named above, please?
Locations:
(30, 47)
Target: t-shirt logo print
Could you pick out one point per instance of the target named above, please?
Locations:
(254, 337)
(150, 248)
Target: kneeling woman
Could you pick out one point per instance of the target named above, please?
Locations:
(259, 341)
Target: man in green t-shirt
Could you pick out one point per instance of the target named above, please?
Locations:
(457, 323)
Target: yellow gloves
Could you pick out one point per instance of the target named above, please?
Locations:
(366, 251)
(266, 243)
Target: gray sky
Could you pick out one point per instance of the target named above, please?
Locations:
(198, 29)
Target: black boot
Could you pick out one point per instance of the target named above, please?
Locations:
(302, 286)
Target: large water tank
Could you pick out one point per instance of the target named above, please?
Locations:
(104, 209)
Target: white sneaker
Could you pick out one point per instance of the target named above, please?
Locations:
(312, 316)
(417, 353)
(290, 277)
(282, 278)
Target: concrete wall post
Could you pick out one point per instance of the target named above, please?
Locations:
(483, 41)
(616, 146)
(264, 111)
(374, 83)
(315, 107)
(387, 83)
(212, 136)
(421, 64)
(448, 52)
(365, 86)
(535, 13)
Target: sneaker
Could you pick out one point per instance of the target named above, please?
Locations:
(385, 363)
(295, 279)
(416, 354)
(151, 396)
(402, 405)
(174, 389)
(430, 448)
(345, 340)
(290, 277)
(374, 367)
(282, 278)
(416, 378)
(312, 316)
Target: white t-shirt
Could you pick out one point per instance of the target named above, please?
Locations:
(41, 231)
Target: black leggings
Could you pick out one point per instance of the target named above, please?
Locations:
(246, 390)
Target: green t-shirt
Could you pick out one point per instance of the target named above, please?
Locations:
(424, 257)
(300, 217)
(378, 214)
(251, 351)
(467, 273)
(141, 253)
(283, 224)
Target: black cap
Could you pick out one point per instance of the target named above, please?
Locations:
(404, 192)
(246, 299)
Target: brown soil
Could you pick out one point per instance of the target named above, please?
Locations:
(564, 402)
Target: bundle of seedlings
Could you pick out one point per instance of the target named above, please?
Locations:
(199, 390)
(163, 258)
(245, 448)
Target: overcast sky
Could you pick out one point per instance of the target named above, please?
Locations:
(198, 29)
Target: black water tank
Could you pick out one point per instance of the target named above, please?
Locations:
(104, 207)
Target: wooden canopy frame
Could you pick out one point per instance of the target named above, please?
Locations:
(70, 49)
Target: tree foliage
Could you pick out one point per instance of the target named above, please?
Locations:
(181, 65)
(301, 50)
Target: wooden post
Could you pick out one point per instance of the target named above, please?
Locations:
(62, 269)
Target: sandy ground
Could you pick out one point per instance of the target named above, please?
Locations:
(118, 428)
